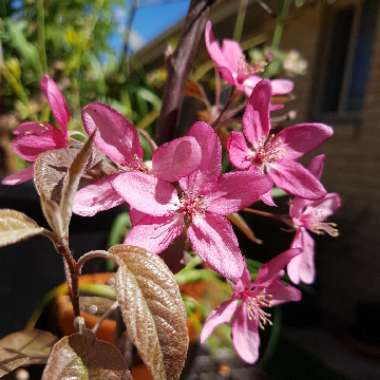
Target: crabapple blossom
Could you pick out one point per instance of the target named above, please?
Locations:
(233, 67)
(246, 310)
(198, 205)
(276, 154)
(308, 215)
(34, 138)
(118, 139)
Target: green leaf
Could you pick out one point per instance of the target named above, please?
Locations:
(83, 357)
(278, 193)
(152, 309)
(253, 267)
(27, 50)
(16, 226)
(150, 97)
(119, 227)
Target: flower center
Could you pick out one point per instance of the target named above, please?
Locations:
(255, 308)
(245, 69)
(268, 151)
(191, 204)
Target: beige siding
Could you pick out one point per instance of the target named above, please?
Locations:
(349, 268)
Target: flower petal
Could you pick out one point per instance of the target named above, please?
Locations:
(115, 136)
(301, 268)
(136, 216)
(233, 55)
(256, 120)
(250, 83)
(176, 159)
(225, 57)
(267, 199)
(295, 179)
(33, 138)
(155, 234)
(237, 190)
(238, 150)
(296, 207)
(245, 335)
(96, 197)
(279, 86)
(56, 101)
(21, 176)
(321, 209)
(302, 138)
(282, 86)
(222, 314)
(211, 164)
(281, 293)
(215, 242)
(316, 166)
(273, 269)
(146, 193)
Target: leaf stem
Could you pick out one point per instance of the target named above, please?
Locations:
(41, 34)
(112, 308)
(225, 108)
(281, 218)
(72, 277)
(239, 24)
(280, 23)
(99, 254)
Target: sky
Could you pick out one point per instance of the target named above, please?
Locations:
(151, 19)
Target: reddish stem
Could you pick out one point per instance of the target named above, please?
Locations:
(71, 273)
(281, 218)
(179, 69)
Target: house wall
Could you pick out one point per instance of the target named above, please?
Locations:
(349, 267)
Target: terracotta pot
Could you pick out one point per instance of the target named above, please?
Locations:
(107, 330)
(65, 315)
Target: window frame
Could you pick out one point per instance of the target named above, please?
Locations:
(341, 114)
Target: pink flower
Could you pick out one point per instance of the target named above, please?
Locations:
(34, 138)
(310, 215)
(233, 67)
(198, 205)
(118, 139)
(246, 309)
(276, 154)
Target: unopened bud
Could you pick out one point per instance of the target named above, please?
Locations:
(22, 374)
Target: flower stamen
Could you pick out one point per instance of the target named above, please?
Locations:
(255, 310)
(322, 228)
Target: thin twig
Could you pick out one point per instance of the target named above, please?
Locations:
(281, 218)
(225, 108)
(112, 308)
(71, 275)
(266, 7)
(127, 35)
(152, 144)
(179, 69)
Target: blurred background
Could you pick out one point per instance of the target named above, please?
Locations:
(115, 51)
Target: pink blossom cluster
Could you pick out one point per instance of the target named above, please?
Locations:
(182, 191)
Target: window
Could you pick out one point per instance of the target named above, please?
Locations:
(350, 35)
